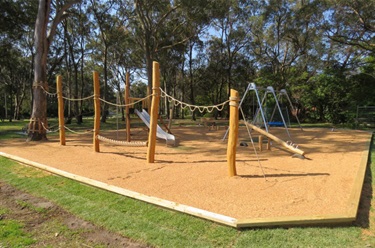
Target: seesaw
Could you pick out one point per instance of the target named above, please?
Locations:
(289, 147)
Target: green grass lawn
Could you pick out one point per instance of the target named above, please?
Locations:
(164, 228)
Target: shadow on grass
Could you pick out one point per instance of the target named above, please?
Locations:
(363, 215)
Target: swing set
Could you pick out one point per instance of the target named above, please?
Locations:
(260, 118)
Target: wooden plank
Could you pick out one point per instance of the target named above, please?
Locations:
(295, 221)
(355, 195)
(276, 139)
(132, 194)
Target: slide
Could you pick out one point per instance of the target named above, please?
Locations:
(160, 133)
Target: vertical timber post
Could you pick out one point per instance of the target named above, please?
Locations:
(95, 75)
(60, 101)
(154, 112)
(233, 132)
(127, 109)
(260, 140)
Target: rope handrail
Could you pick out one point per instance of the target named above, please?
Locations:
(125, 105)
(49, 130)
(80, 133)
(77, 99)
(191, 107)
(64, 97)
(46, 91)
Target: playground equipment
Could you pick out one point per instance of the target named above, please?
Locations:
(270, 90)
(156, 131)
(97, 137)
(283, 93)
(290, 146)
(260, 114)
(145, 117)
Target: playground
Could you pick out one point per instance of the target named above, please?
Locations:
(272, 188)
(315, 179)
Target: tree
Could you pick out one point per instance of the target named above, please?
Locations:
(76, 32)
(159, 26)
(43, 35)
(352, 23)
(16, 54)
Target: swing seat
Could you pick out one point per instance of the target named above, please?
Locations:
(275, 124)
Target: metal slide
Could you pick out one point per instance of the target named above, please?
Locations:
(160, 133)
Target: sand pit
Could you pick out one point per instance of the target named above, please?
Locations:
(323, 188)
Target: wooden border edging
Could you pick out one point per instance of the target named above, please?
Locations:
(344, 218)
(132, 194)
(355, 195)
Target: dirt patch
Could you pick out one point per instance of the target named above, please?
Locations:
(52, 226)
(195, 173)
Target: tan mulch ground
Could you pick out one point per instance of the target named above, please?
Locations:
(195, 172)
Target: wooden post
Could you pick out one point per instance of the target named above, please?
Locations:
(170, 116)
(148, 100)
(269, 144)
(60, 101)
(260, 140)
(153, 113)
(127, 95)
(97, 110)
(233, 132)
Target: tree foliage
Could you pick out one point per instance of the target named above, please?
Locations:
(320, 51)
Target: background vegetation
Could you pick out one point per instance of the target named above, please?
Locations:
(322, 52)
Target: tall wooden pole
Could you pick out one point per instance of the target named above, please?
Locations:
(97, 110)
(154, 113)
(127, 95)
(60, 101)
(233, 132)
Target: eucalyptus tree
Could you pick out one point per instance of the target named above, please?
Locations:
(180, 57)
(352, 23)
(16, 53)
(286, 38)
(105, 36)
(45, 30)
(232, 36)
(161, 25)
(348, 39)
(75, 35)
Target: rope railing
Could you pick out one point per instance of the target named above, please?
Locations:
(49, 130)
(64, 97)
(78, 99)
(125, 105)
(46, 91)
(192, 107)
(80, 133)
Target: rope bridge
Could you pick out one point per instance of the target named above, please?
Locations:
(123, 143)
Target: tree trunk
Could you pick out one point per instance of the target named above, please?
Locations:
(38, 122)
(191, 79)
(36, 131)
